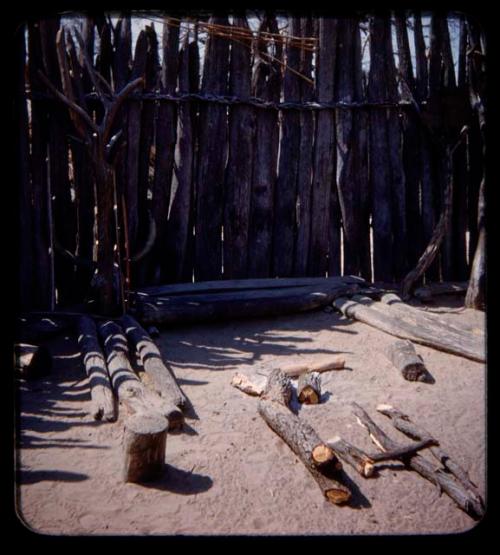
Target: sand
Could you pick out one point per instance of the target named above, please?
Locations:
(228, 473)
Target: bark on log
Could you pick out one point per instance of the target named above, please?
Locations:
(309, 388)
(388, 320)
(353, 456)
(403, 423)
(103, 404)
(462, 497)
(296, 369)
(33, 361)
(150, 356)
(126, 385)
(317, 457)
(144, 443)
(244, 304)
(403, 356)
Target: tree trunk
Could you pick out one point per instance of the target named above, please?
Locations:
(403, 356)
(309, 388)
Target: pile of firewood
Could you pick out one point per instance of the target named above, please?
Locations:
(322, 458)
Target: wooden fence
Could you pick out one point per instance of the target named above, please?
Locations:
(270, 157)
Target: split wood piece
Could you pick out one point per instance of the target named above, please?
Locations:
(126, 385)
(403, 423)
(460, 495)
(241, 382)
(384, 318)
(402, 355)
(426, 292)
(316, 455)
(422, 316)
(32, 361)
(103, 403)
(144, 444)
(364, 463)
(240, 304)
(309, 388)
(296, 369)
(231, 285)
(150, 356)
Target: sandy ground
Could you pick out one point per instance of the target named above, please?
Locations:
(228, 473)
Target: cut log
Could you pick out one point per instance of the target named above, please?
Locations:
(316, 455)
(103, 403)
(403, 423)
(427, 292)
(462, 497)
(309, 388)
(32, 361)
(384, 318)
(241, 382)
(126, 385)
(240, 304)
(296, 369)
(150, 356)
(358, 459)
(402, 355)
(144, 443)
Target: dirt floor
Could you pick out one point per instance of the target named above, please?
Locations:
(228, 472)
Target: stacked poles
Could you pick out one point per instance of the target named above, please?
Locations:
(213, 191)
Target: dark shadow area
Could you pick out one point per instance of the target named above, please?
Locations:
(32, 442)
(189, 410)
(181, 481)
(25, 477)
(262, 337)
(358, 499)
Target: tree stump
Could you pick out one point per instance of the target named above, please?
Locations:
(144, 443)
(32, 361)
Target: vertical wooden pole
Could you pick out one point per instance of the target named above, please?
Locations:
(410, 147)
(398, 192)
(285, 196)
(147, 141)
(39, 143)
(25, 226)
(266, 85)
(239, 169)
(360, 144)
(164, 268)
(380, 160)
(305, 155)
(324, 252)
(212, 156)
(178, 252)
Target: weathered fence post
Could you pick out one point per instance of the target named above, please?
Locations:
(266, 85)
(239, 168)
(324, 252)
(212, 153)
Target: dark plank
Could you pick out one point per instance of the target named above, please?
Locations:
(305, 159)
(166, 132)
(238, 304)
(178, 262)
(239, 168)
(243, 285)
(25, 290)
(380, 160)
(44, 295)
(212, 152)
(266, 85)
(324, 253)
(285, 196)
